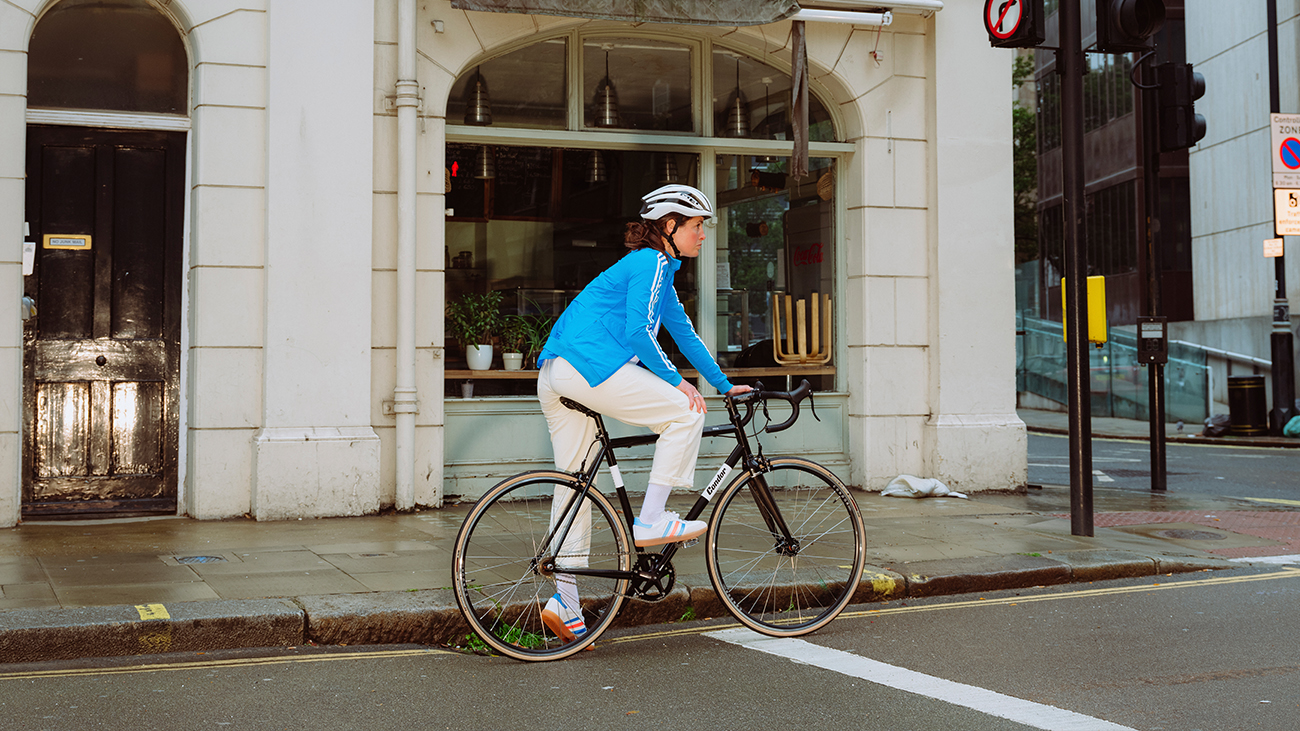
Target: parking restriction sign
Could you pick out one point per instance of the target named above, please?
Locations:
(1285, 150)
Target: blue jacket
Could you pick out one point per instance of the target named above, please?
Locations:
(616, 317)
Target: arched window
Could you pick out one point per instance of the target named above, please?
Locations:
(117, 55)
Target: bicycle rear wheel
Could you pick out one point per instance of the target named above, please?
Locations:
(499, 567)
(778, 589)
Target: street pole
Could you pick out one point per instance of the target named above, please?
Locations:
(1149, 96)
(1069, 64)
(1280, 339)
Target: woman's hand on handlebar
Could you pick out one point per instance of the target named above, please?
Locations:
(737, 390)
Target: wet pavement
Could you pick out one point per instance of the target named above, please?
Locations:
(141, 585)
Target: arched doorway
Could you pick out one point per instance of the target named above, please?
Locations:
(108, 90)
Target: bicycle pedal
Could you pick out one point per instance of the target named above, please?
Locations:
(691, 542)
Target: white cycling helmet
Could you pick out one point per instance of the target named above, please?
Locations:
(683, 199)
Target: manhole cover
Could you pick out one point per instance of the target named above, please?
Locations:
(1186, 534)
(200, 559)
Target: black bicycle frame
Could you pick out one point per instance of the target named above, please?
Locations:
(760, 490)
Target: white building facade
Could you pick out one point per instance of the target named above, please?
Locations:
(239, 260)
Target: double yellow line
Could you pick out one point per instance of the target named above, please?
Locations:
(1287, 573)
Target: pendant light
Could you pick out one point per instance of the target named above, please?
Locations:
(478, 109)
(765, 159)
(485, 165)
(737, 111)
(606, 101)
(596, 172)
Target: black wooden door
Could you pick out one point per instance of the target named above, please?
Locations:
(101, 361)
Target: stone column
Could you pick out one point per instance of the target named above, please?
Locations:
(317, 454)
(973, 438)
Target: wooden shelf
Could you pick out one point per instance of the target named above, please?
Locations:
(525, 375)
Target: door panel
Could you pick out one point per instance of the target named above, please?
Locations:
(63, 431)
(101, 356)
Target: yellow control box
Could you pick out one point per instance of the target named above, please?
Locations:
(1096, 310)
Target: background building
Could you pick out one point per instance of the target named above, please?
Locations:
(246, 224)
(1231, 177)
(1215, 212)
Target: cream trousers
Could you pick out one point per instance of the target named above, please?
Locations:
(634, 396)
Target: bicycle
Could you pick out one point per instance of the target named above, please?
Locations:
(785, 562)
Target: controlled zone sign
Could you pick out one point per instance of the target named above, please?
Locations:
(1286, 211)
(1285, 150)
(1014, 23)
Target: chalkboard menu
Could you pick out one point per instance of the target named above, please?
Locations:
(522, 187)
(466, 195)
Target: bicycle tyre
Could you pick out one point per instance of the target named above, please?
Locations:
(497, 587)
(771, 592)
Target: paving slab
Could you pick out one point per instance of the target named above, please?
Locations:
(385, 578)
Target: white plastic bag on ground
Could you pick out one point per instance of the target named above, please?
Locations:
(918, 487)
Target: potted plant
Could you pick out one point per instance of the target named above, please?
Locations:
(472, 321)
(538, 329)
(514, 339)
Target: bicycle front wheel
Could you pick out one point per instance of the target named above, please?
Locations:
(776, 587)
(502, 573)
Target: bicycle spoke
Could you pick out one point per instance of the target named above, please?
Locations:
(778, 590)
(499, 557)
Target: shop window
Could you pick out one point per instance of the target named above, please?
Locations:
(539, 222)
(649, 84)
(546, 223)
(120, 56)
(764, 111)
(524, 88)
(775, 237)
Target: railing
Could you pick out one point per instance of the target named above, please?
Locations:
(1117, 382)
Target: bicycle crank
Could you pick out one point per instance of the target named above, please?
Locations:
(655, 578)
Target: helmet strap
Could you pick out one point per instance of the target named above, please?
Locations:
(669, 238)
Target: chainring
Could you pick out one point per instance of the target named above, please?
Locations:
(656, 579)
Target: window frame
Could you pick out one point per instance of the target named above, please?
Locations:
(702, 142)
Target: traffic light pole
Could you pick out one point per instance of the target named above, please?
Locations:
(1069, 64)
(1280, 340)
(1148, 94)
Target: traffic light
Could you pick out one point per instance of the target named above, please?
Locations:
(1014, 23)
(1127, 25)
(1180, 125)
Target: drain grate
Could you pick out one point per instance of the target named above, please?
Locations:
(200, 559)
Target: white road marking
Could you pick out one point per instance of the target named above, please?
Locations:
(1293, 559)
(1034, 715)
(1101, 476)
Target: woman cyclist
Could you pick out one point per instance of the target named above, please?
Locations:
(603, 353)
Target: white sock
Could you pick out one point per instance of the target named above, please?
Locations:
(568, 588)
(656, 499)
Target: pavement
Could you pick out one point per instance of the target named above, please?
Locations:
(136, 586)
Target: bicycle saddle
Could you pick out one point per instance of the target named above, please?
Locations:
(570, 403)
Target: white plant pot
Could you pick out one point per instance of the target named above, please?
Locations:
(513, 361)
(479, 357)
(467, 389)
